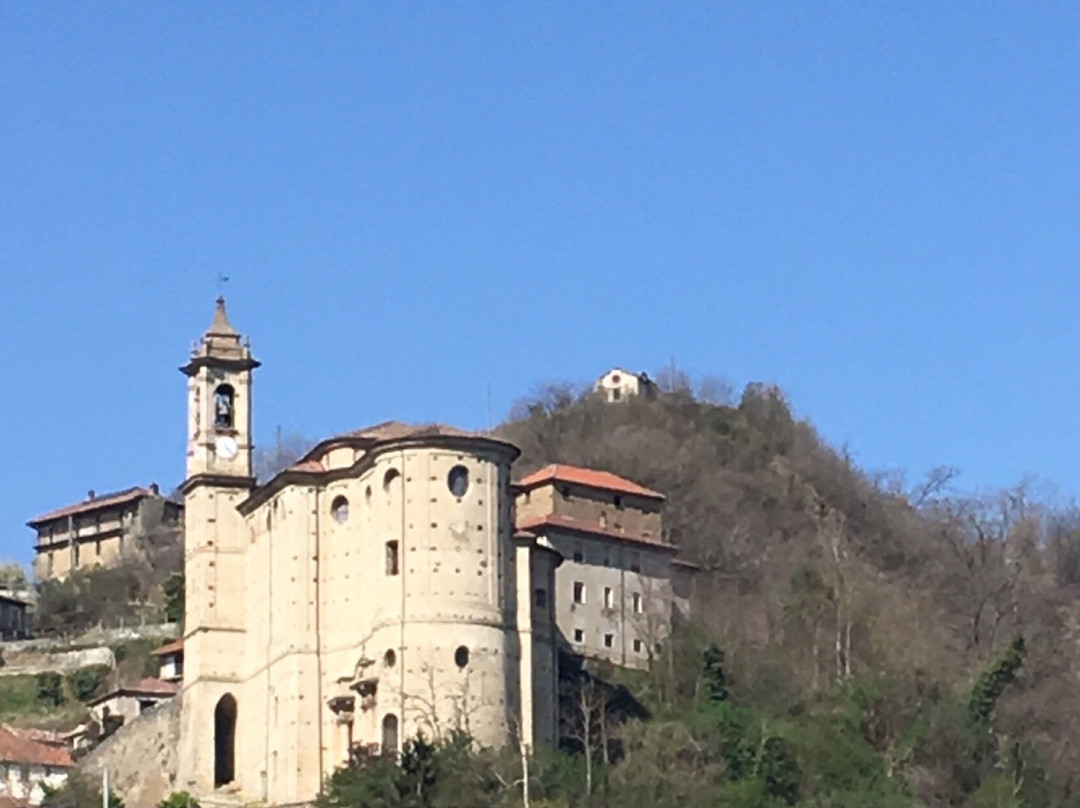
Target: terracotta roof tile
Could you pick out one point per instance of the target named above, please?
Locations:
(395, 430)
(145, 687)
(104, 501)
(592, 478)
(307, 465)
(16, 747)
(169, 648)
(591, 528)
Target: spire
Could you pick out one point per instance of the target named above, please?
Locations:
(221, 326)
(220, 344)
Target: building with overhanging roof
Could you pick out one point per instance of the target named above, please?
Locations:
(98, 530)
(618, 588)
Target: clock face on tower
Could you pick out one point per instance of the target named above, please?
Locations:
(226, 447)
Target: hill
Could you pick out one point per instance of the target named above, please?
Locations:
(833, 592)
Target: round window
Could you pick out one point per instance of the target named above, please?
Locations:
(461, 656)
(389, 658)
(458, 481)
(339, 509)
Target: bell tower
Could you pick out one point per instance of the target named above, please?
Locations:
(219, 401)
(219, 478)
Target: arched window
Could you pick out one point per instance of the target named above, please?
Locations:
(390, 734)
(458, 481)
(339, 509)
(224, 741)
(389, 478)
(223, 407)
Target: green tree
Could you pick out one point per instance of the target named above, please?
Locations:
(173, 591)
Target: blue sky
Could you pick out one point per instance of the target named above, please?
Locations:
(874, 205)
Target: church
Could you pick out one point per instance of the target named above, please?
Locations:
(374, 590)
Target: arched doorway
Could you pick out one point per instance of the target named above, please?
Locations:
(224, 741)
(390, 735)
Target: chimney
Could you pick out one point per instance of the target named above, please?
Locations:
(154, 489)
(90, 494)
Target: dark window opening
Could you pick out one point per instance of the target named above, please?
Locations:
(458, 481)
(461, 656)
(389, 658)
(618, 501)
(223, 407)
(224, 741)
(579, 635)
(609, 640)
(540, 598)
(579, 592)
(391, 558)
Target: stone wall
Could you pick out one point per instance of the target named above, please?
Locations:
(140, 756)
(24, 662)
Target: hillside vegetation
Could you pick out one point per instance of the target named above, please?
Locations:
(855, 642)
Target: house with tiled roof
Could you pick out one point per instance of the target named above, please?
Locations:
(29, 766)
(618, 586)
(128, 702)
(98, 530)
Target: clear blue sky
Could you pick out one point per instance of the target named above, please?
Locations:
(876, 206)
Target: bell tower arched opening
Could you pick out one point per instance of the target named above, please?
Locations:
(224, 741)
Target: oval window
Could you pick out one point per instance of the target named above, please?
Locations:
(458, 481)
(461, 656)
(339, 509)
(388, 479)
(389, 658)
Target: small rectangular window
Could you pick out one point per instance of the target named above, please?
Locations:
(579, 592)
(579, 635)
(609, 640)
(637, 603)
(392, 558)
(579, 556)
(618, 502)
(616, 394)
(609, 598)
(540, 598)
(637, 646)
(607, 560)
(635, 562)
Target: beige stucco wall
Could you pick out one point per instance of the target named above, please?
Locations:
(28, 781)
(298, 607)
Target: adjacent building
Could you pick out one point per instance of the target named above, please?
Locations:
(171, 661)
(619, 385)
(126, 703)
(98, 530)
(617, 587)
(29, 766)
(374, 590)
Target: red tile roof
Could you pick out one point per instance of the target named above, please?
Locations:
(592, 528)
(16, 747)
(307, 465)
(145, 687)
(169, 648)
(395, 430)
(104, 501)
(592, 478)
